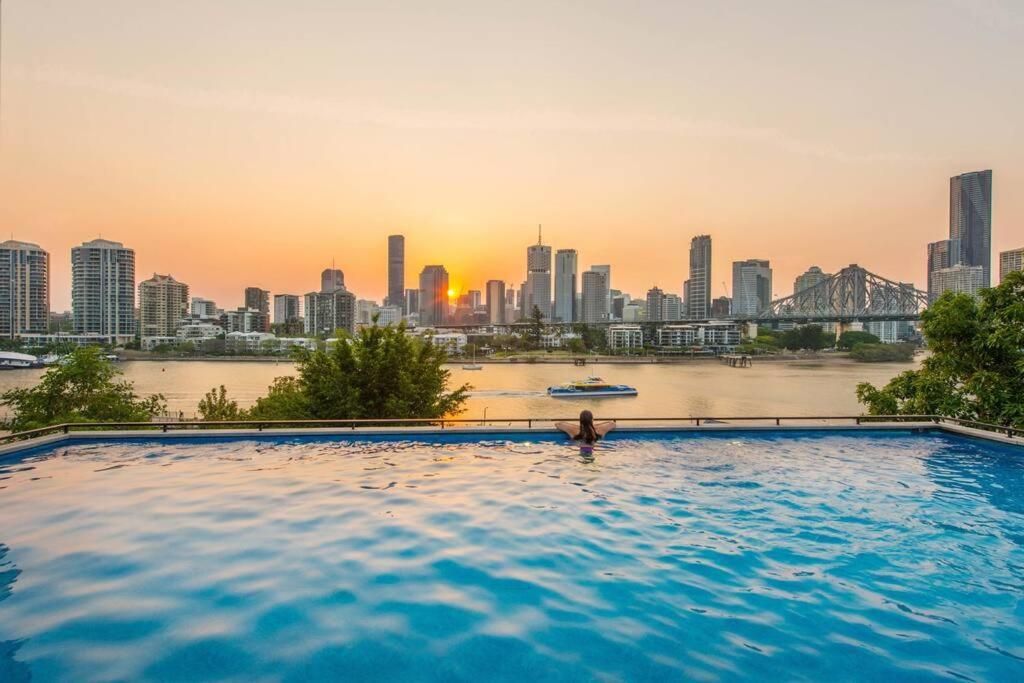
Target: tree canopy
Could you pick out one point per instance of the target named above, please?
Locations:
(83, 388)
(850, 338)
(976, 368)
(810, 337)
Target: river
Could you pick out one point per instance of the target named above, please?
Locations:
(706, 388)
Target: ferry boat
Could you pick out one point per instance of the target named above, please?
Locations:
(591, 386)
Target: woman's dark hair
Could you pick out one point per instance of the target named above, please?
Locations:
(587, 432)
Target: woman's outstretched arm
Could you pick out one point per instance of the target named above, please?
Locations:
(603, 428)
(570, 428)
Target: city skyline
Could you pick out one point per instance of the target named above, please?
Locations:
(318, 149)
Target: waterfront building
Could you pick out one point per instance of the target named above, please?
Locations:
(721, 307)
(810, 277)
(625, 337)
(970, 219)
(655, 304)
(496, 302)
(751, 287)
(257, 299)
(103, 290)
(286, 308)
(163, 305)
(452, 342)
(332, 279)
(566, 265)
(958, 278)
(245, 320)
(204, 309)
(396, 270)
(328, 312)
(698, 286)
(538, 279)
(942, 254)
(434, 305)
(198, 331)
(710, 336)
(24, 289)
(595, 297)
(1010, 261)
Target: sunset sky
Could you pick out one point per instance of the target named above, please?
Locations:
(242, 142)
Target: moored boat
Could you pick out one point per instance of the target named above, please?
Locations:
(591, 387)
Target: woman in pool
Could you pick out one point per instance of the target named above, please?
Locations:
(586, 432)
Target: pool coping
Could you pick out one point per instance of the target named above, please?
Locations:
(543, 428)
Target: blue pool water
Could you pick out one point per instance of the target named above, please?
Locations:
(712, 557)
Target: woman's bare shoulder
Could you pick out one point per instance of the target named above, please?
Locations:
(570, 428)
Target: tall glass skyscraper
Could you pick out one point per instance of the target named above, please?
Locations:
(751, 286)
(970, 219)
(396, 270)
(698, 287)
(538, 279)
(434, 296)
(565, 285)
(941, 255)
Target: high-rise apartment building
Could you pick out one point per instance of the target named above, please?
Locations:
(655, 304)
(257, 299)
(332, 279)
(286, 308)
(721, 307)
(24, 289)
(330, 311)
(595, 297)
(958, 278)
(496, 302)
(103, 290)
(1010, 261)
(942, 254)
(566, 266)
(538, 279)
(434, 305)
(204, 308)
(672, 307)
(970, 219)
(396, 270)
(751, 286)
(606, 270)
(698, 286)
(163, 304)
(810, 277)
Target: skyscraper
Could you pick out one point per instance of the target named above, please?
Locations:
(809, 278)
(330, 311)
(496, 302)
(538, 278)
(412, 302)
(958, 278)
(103, 290)
(606, 270)
(672, 307)
(286, 308)
(24, 289)
(332, 279)
(1010, 261)
(163, 303)
(595, 297)
(257, 299)
(751, 286)
(434, 296)
(655, 304)
(970, 219)
(942, 254)
(396, 270)
(565, 285)
(698, 288)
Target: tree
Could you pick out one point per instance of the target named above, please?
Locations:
(536, 329)
(805, 337)
(976, 369)
(882, 353)
(850, 338)
(378, 373)
(216, 405)
(84, 388)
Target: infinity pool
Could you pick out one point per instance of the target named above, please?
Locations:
(809, 556)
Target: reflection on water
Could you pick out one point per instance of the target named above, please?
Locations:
(717, 556)
(517, 391)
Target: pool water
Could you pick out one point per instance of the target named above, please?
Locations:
(712, 557)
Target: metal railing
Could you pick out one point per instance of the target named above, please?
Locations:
(442, 423)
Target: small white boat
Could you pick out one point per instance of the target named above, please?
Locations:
(591, 387)
(472, 366)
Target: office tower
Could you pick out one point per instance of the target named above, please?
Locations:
(434, 296)
(366, 310)
(698, 288)
(538, 279)
(163, 304)
(521, 302)
(751, 286)
(103, 290)
(257, 299)
(619, 304)
(942, 254)
(595, 297)
(606, 270)
(565, 285)
(286, 308)
(970, 219)
(330, 311)
(810, 277)
(203, 308)
(672, 307)
(412, 302)
(496, 302)
(396, 270)
(1010, 261)
(332, 279)
(655, 304)
(721, 307)
(958, 278)
(24, 289)
(475, 300)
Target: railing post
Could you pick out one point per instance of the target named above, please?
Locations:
(778, 421)
(857, 419)
(66, 429)
(529, 424)
(698, 422)
(164, 426)
(259, 426)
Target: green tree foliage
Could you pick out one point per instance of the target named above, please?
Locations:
(379, 373)
(217, 406)
(810, 337)
(84, 388)
(594, 337)
(976, 369)
(536, 329)
(882, 353)
(850, 338)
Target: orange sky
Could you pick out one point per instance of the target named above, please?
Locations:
(234, 143)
